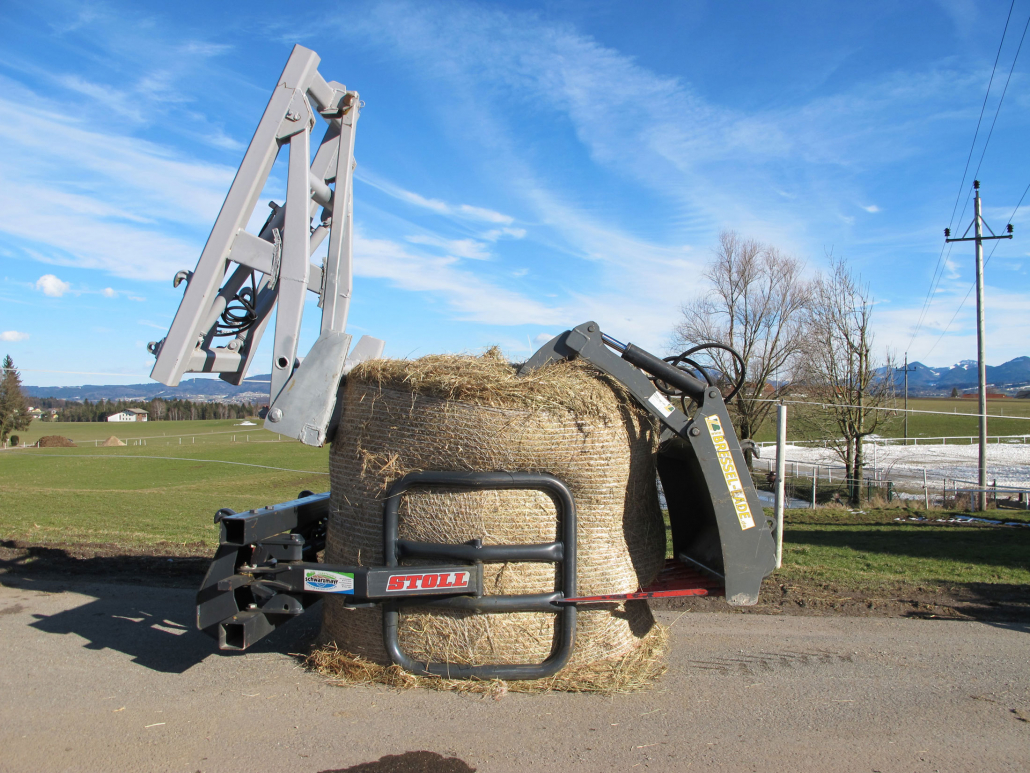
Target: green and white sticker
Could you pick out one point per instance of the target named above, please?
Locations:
(658, 401)
(328, 582)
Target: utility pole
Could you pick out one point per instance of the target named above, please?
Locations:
(978, 225)
(906, 371)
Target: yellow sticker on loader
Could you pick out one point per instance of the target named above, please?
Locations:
(729, 472)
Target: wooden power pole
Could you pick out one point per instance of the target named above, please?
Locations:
(978, 225)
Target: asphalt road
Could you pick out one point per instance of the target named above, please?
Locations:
(114, 678)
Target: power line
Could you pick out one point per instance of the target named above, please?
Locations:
(972, 145)
(1002, 99)
(993, 248)
(935, 280)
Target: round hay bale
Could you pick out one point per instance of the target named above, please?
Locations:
(468, 413)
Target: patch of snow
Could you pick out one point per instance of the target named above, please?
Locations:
(1008, 464)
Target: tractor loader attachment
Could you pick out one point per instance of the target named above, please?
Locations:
(266, 570)
(718, 525)
(241, 277)
(265, 573)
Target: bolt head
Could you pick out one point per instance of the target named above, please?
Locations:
(694, 431)
(275, 414)
(713, 393)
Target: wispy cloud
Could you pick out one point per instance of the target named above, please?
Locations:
(704, 165)
(459, 248)
(464, 211)
(500, 233)
(12, 336)
(120, 197)
(470, 297)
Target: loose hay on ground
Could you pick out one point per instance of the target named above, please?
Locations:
(636, 670)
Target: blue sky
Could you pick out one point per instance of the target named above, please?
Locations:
(522, 167)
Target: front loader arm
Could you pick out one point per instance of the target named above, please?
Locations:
(716, 517)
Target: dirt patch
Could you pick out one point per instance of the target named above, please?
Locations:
(165, 565)
(974, 601)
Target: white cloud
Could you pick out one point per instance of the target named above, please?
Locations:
(462, 211)
(13, 335)
(52, 286)
(459, 248)
(872, 208)
(108, 292)
(471, 297)
(479, 213)
(497, 233)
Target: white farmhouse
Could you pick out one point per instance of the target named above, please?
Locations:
(129, 414)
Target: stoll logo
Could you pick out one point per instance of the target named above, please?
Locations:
(441, 581)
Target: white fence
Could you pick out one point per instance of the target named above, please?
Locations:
(912, 441)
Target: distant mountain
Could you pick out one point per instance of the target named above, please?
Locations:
(253, 390)
(923, 379)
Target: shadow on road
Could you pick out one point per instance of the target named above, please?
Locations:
(409, 762)
(130, 612)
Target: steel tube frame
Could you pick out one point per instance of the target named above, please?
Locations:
(562, 552)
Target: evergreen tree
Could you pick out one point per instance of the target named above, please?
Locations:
(14, 414)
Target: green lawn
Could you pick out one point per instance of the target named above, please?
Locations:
(877, 557)
(102, 495)
(870, 551)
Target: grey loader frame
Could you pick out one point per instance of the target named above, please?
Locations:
(241, 277)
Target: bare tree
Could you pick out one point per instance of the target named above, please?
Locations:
(757, 306)
(840, 371)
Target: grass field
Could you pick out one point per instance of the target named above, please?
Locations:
(164, 494)
(870, 551)
(962, 421)
(875, 556)
(140, 495)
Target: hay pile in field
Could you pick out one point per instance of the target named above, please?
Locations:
(473, 413)
(54, 441)
(112, 441)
